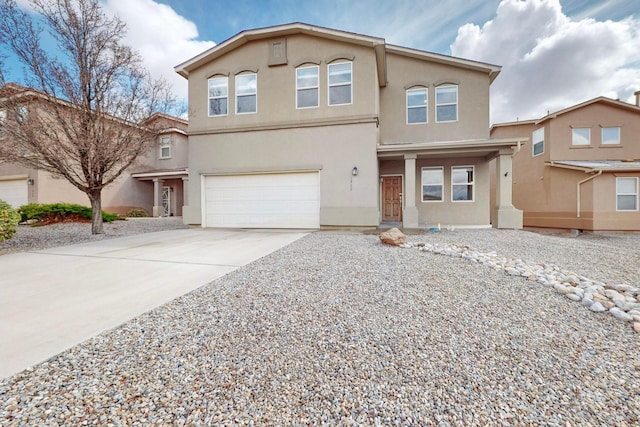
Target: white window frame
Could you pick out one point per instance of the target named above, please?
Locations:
(316, 87)
(425, 106)
(350, 83)
(246, 94)
(446, 104)
(165, 142)
(467, 184)
(422, 184)
(634, 194)
(575, 132)
(605, 128)
(537, 138)
(209, 97)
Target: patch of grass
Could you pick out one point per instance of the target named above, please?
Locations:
(42, 214)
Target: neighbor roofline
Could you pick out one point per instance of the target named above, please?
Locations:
(604, 99)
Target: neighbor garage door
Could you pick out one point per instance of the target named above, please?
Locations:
(274, 200)
(14, 192)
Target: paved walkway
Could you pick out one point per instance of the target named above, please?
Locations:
(51, 300)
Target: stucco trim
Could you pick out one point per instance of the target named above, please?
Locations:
(446, 82)
(346, 56)
(245, 69)
(307, 61)
(416, 84)
(289, 125)
(218, 73)
(13, 177)
(261, 170)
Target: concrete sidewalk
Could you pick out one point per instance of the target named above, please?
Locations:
(51, 300)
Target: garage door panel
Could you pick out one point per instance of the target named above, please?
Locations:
(280, 200)
(14, 192)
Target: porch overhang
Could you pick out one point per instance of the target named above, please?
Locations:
(594, 166)
(485, 148)
(161, 174)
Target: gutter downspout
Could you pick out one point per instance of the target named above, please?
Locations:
(578, 189)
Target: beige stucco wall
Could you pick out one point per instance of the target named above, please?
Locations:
(276, 93)
(448, 212)
(333, 150)
(473, 102)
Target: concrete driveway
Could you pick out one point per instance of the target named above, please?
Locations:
(51, 300)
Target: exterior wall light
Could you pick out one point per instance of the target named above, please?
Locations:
(354, 171)
(30, 181)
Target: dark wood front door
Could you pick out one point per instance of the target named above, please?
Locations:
(392, 198)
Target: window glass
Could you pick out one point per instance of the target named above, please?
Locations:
(462, 183)
(246, 93)
(610, 136)
(417, 105)
(446, 103)
(307, 87)
(340, 83)
(165, 147)
(581, 136)
(627, 194)
(538, 141)
(218, 92)
(432, 183)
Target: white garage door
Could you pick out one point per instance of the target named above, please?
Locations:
(14, 192)
(275, 200)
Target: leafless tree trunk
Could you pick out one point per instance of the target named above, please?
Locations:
(78, 116)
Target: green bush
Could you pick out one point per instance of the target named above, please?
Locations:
(60, 212)
(9, 219)
(137, 213)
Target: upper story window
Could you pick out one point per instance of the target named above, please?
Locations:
(580, 136)
(340, 84)
(611, 136)
(627, 193)
(446, 104)
(432, 184)
(462, 184)
(165, 147)
(218, 96)
(537, 140)
(417, 105)
(246, 93)
(3, 119)
(22, 113)
(307, 84)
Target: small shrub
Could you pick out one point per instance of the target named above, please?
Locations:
(60, 212)
(137, 213)
(9, 219)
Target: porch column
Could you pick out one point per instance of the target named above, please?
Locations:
(158, 210)
(505, 214)
(185, 191)
(410, 211)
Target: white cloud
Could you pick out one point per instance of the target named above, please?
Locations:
(551, 61)
(161, 36)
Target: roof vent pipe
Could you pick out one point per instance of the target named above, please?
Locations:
(637, 94)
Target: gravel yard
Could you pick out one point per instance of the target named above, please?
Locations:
(338, 329)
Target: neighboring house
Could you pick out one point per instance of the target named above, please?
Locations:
(582, 168)
(154, 183)
(300, 126)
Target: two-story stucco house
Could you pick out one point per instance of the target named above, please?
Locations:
(299, 126)
(155, 182)
(582, 168)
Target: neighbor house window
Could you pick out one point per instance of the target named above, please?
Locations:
(218, 96)
(417, 106)
(340, 83)
(462, 183)
(447, 104)
(165, 147)
(307, 87)
(610, 136)
(432, 184)
(627, 194)
(538, 141)
(22, 113)
(246, 93)
(580, 136)
(3, 119)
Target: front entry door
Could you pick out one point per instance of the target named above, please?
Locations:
(392, 198)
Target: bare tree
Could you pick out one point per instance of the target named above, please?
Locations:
(78, 118)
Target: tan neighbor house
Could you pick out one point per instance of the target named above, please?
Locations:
(582, 167)
(154, 183)
(300, 126)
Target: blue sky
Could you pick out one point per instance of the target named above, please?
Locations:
(554, 53)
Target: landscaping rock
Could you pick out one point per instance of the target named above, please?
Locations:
(393, 237)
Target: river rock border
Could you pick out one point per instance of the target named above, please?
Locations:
(622, 301)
